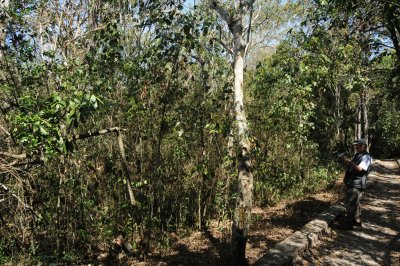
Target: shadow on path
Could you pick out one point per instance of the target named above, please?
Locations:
(378, 241)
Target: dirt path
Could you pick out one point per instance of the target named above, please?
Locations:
(378, 241)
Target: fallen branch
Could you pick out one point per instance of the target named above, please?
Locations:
(15, 156)
(5, 130)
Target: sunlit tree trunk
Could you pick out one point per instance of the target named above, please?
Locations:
(365, 128)
(337, 114)
(357, 126)
(242, 217)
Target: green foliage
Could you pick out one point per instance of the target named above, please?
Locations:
(309, 93)
(3, 258)
(283, 90)
(388, 129)
(166, 79)
(38, 123)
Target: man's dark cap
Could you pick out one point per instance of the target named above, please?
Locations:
(360, 141)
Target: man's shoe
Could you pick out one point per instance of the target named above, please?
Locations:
(345, 226)
(357, 223)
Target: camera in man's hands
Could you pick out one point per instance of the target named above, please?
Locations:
(341, 156)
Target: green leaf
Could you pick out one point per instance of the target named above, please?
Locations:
(43, 131)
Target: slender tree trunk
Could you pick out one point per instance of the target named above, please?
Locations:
(204, 186)
(337, 113)
(127, 172)
(365, 117)
(242, 216)
(60, 215)
(361, 114)
(358, 126)
(229, 164)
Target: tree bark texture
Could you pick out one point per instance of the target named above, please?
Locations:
(242, 216)
(365, 115)
(357, 132)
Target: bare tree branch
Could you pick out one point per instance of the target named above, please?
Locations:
(97, 133)
(5, 130)
(229, 50)
(15, 156)
(249, 30)
(126, 169)
(86, 33)
(26, 206)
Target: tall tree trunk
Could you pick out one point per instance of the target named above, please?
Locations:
(229, 164)
(242, 216)
(357, 132)
(365, 117)
(362, 121)
(337, 113)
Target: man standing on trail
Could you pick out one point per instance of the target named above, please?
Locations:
(355, 180)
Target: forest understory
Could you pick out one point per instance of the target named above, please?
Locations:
(270, 225)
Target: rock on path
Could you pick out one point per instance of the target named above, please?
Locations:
(378, 241)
